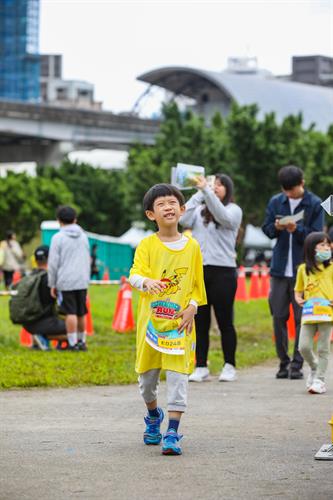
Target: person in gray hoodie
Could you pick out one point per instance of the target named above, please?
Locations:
(69, 274)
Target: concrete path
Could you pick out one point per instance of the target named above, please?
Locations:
(252, 439)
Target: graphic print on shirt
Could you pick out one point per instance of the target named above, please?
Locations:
(317, 310)
(312, 287)
(162, 330)
(172, 282)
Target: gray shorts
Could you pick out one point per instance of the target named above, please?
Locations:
(177, 384)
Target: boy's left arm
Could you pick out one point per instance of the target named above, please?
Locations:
(198, 297)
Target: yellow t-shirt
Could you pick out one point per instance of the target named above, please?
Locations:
(315, 285)
(182, 271)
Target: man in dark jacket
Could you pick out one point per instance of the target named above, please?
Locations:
(49, 326)
(287, 255)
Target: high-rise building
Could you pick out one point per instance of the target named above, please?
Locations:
(19, 55)
(65, 93)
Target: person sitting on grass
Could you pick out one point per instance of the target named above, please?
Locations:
(49, 326)
(168, 272)
(69, 273)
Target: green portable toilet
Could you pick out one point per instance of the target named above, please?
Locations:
(112, 255)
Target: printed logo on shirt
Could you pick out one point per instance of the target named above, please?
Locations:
(312, 287)
(172, 282)
(165, 309)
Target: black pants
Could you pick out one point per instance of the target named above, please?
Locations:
(8, 278)
(221, 286)
(280, 297)
(52, 326)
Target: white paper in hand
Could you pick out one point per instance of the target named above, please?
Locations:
(183, 175)
(291, 218)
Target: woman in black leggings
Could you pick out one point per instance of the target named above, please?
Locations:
(215, 220)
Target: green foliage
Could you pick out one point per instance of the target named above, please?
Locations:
(111, 356)
(250, 150)
(99, 195)
(25, 201)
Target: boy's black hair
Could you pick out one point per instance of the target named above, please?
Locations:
(66, 214)
(41, 253)
(290, 176)
(310, 243)
(159, 190)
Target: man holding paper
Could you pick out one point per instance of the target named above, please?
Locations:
(290, 217)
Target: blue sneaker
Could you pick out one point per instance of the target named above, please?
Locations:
(170, 444)
(152, 434)
(42, 342)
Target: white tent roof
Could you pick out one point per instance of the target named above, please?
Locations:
(255, 238)
(133, 236)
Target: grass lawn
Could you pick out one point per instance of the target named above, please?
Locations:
(111, 356)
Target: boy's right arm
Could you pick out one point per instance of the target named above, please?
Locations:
(146, 284)
(140, 273)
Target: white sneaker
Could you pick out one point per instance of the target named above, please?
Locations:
(318, 387)
(228, 374)
(310, 379)
(199, 375)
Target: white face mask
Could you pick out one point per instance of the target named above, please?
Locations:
(323, 255)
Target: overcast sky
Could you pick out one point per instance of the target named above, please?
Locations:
(110, 43)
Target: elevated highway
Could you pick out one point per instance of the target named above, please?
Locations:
(44, 134)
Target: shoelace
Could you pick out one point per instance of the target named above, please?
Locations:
(152, 423)
(173, 437)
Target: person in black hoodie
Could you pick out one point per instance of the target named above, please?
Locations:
(49, 326)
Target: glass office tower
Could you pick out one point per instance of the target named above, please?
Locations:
(19, 55)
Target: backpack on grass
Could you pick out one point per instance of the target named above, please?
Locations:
(26, 306)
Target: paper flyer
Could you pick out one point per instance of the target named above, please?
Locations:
(317, 310)
(292, 218)
(183, 175)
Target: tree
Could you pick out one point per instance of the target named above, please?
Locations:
(250, 150)
(25, 201)
(98, 194)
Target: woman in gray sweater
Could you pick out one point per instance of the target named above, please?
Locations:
(215, 221)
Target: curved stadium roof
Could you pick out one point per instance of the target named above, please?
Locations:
(269, 93)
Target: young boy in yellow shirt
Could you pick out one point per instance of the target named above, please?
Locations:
(168, 272)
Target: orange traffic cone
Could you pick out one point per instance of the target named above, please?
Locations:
(241, 293)
(16, 277)
(88, 317)
(25, 338)
(106, 275)
(291, 325)
(254, 283)
(264, 292)
(123, 320)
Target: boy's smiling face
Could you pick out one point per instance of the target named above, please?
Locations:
(166, 211)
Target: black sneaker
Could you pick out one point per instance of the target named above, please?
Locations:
(74, 348)
(283, 372)
(82, 346)
(296, 374)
